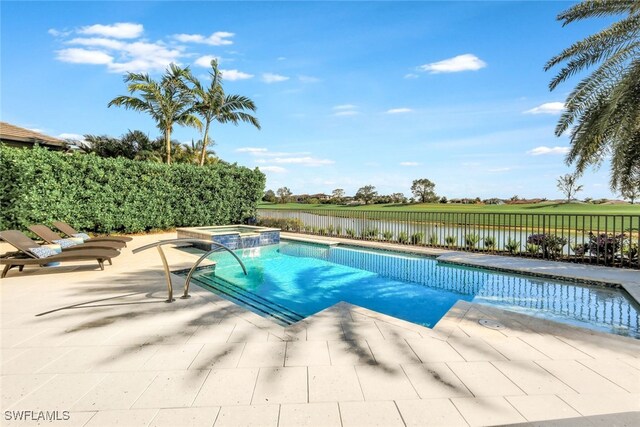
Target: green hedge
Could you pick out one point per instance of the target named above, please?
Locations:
(105, 195)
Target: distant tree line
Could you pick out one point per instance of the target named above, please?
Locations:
(423, 191)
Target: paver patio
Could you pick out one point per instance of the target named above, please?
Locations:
(106, 347)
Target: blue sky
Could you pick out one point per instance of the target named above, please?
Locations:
(348, 94)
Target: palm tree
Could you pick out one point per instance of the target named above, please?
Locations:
(168, 101)
(604, 108)
(212, 104)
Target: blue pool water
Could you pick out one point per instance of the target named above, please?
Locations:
(290, 281)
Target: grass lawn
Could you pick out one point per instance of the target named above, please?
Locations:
(546, 216)
(537, 208)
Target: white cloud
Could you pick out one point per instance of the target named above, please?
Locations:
(98, 42)
(273, 78)
(219, 38)
(205, 61)
(58, 33)
(346, 113)
(144, 56)
(119, 30)
(234, 75)
(466, 62)
(411, 76)
(399, 110)
(409, 164)
(305, 161)
(345, 110)
(274, 169)
(547, 108)
(251, 150)
(120, 56)
(71, 136)
(281, 58)
(345, 107)
(542, 150)
(497, 170)
(83, 56)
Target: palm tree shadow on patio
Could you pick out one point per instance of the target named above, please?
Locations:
(124, 302)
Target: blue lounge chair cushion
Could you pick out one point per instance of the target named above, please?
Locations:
(66, 243)
(42, 252)
(83, 236)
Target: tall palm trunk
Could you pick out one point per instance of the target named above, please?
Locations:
(167, 143)
(205, 141)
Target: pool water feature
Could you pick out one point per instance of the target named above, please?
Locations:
(232, 236)
(292, 280)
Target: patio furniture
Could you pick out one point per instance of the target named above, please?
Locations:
(28, 253)
(72, 232)
(50, 236)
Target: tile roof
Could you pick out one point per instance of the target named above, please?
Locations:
(15, 133)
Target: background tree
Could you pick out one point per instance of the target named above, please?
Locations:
(269, 196)
(603, 109)
(630, 192)
(568, 185)
(423, 190)
(398, 198)
(134, 145)
(212, 104)
(366, 194)
(284, 194)
(337, 195)
(168, 101)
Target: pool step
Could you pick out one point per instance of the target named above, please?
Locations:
(251, 300)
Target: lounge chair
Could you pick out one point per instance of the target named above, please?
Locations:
(26, 256)
(50, 236)
(72, 232)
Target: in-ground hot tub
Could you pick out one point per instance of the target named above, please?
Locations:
(232, 236)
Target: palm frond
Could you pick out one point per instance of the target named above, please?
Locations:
(596, 9)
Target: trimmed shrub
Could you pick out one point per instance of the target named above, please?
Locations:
(107, 195)
(471, 240)
(451, 240)
(416, 238)
(550, 244)
(285, 224)
(369, 233)
(489, 242)
(512, 246)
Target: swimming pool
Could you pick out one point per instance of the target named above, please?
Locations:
(292, 280)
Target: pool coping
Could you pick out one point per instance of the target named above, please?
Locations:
(200, 230)
(629, 280)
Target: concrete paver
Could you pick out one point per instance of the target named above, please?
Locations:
(388, 383)
(334, 384)
(185, 417)
(311, 415)
(370, 414)
(281, 385)
(487, 411)
(224, 387)
(542, 407)
(430, 412)
(249, 416)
